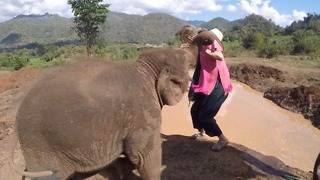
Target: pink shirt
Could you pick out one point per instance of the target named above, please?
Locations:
(210, 69)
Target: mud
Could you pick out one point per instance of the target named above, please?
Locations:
(296, 91)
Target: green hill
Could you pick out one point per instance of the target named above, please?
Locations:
(155, 28)
(220, 23)
(35, 28)
(119, 28)
(151, 28)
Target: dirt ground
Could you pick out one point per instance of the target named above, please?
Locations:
(183, 158)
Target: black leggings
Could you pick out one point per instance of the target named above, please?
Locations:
(205, 108)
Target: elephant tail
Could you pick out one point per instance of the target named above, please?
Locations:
(12, 147)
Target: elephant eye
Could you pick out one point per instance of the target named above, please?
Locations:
(175, 81)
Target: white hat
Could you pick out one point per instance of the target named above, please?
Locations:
(217, 33)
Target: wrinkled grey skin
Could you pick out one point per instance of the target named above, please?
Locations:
(81, 117)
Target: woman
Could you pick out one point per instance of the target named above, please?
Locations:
(211, 85)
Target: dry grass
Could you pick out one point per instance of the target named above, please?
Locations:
(282, 61)
(302, 70)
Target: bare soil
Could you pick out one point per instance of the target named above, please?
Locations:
(184, 158)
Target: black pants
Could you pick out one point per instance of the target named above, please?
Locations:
(205, 108)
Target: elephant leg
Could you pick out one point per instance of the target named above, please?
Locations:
(151, 169)
(121, 168)
(144, 151)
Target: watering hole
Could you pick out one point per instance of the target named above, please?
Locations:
(248, 119)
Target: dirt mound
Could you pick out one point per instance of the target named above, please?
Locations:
(258, 77)
(17, 78)
(301, 99)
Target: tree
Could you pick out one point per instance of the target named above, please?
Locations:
(254, 40)
(305, 42)
(257, 23)
(89, 15)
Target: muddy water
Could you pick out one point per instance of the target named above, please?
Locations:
(249, 119)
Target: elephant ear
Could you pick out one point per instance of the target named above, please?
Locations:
(171, 87)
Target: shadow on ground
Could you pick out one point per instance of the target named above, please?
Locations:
(187, 159)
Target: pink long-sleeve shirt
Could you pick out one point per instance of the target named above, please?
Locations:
(210, 70)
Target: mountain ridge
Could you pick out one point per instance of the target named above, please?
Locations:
(154, 28)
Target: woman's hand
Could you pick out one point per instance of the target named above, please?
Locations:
(215, 55)
(185, 45)
(208, 51)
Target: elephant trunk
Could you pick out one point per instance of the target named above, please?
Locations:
(204, 37)
(149, 70)
(170, 71)
(193, 52)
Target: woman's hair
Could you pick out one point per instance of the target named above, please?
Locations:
(188, 30)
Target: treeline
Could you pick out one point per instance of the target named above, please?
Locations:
(51, 55)
(267, 40)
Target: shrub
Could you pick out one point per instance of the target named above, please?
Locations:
(233, 49)
(305, 42)
(14, 60)
(254, 41)
(268, 52)
(118, 52)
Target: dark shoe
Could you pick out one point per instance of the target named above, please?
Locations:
(219, 145)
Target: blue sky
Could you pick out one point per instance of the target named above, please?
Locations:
(282, 12)
(285, 7)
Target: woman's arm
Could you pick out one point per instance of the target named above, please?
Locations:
(218, 55)
(215, 51)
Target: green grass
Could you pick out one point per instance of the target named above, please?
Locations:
(39, 63)
(36, 63)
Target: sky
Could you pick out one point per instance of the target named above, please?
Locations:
(281, 12)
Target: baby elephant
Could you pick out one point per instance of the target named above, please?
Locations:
(81, 117)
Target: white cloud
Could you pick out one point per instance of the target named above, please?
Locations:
(12, 8)
(248, 7)
(143, 7)
(232, 8)
(298, 15)
(263, 8)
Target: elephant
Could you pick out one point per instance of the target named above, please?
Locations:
(81, 117)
